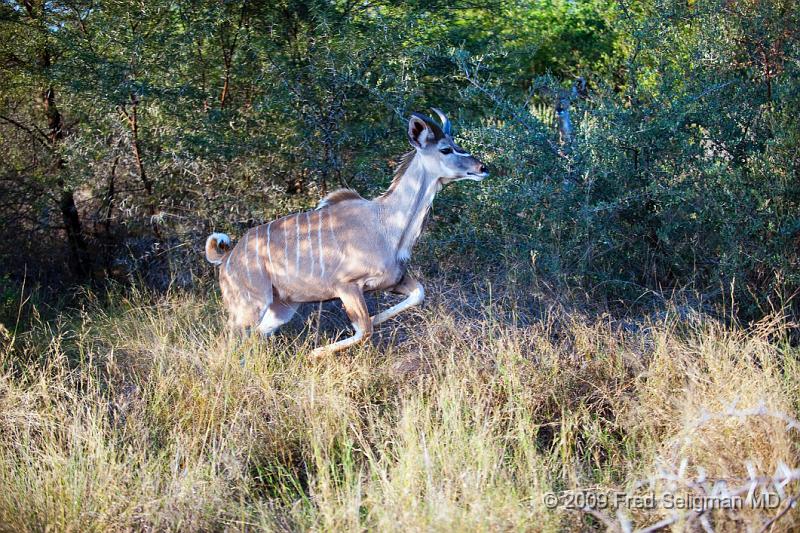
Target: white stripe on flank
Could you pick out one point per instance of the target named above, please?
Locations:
(319, 243)
(261, 266)
(310, 243)
(246, 260)
(258, 254)
(330, 229)
(246, 265)
(297, 242)
(336, 246)
(269, 251)
(285, 250)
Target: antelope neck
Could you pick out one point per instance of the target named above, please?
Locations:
(405, 207)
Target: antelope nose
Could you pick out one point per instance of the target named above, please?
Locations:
(482, 168)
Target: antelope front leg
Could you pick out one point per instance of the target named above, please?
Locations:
(353, 300)
(415, 295)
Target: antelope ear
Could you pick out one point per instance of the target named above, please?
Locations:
(420, 133)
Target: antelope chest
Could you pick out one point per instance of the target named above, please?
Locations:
(386, 279)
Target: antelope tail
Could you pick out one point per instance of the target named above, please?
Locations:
(217, 245)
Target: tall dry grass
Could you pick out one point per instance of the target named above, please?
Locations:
(138, 412)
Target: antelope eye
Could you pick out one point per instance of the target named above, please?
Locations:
(446, 150)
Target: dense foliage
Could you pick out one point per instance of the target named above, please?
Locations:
(130, 130)
(645, 177)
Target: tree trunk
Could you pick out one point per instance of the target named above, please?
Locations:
(79, 258)
(136, 149)
(133, 120)
(79, 262)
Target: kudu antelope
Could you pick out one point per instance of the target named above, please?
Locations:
(346, 246)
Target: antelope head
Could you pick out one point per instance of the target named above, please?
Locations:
(438, 152)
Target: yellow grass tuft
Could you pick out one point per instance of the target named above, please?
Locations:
(141, 413)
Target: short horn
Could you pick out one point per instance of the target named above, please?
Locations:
(444, 119)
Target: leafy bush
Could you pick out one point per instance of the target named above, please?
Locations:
(131, 131)
(686, 178)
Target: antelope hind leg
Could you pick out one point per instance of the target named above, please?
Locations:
(414, 293)
(353, 300)
(277, 314)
